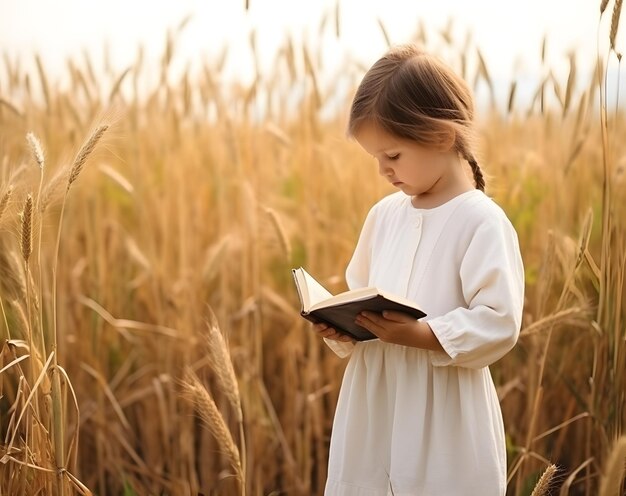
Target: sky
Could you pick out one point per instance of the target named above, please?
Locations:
(508, 33)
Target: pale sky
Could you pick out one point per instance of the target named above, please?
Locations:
(509, 33)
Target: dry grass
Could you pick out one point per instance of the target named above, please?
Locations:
(204, 201)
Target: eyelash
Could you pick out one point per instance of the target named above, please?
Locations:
(394, 157)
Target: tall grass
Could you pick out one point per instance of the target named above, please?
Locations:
(194, 197)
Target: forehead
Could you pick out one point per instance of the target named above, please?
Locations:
(374, 139)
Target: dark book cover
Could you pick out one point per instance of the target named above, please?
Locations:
(342, 316)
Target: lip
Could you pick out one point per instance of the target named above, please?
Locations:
(397, 183)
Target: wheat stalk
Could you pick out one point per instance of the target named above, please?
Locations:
(11, 281)
(614, 469)
(27, 228)
(83, 153)
(603, 5)
(10, 106)
(195, 392)
(45, 88)
(617, 9)
(51, 187)
(280, 231)
(543, 485)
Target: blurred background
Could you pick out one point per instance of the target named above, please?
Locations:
(164, 165)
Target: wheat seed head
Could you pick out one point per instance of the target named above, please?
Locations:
(195, 392)
(543, 485)
(617, 10)
(84, 152)
(36, 149)
(27, 228)
(222, 365)
(4, 202)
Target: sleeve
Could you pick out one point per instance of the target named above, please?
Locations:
(492, 283)
(357, 273)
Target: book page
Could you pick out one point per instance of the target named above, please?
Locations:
(353, 295)
(311, 291)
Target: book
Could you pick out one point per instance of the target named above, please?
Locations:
(339, 311)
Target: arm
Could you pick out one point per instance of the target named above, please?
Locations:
(400, 328)
(492, 283)
(478, 334)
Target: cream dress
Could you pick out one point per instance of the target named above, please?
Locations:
(416, 422)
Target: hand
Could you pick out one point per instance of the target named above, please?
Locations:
(400, 328)
(391, 327)
(325, 331)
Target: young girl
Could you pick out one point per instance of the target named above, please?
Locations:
(418, 413)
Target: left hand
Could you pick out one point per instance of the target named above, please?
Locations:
(391, 327)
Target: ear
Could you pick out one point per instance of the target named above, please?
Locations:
(447, 140)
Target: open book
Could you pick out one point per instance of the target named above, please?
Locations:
(339, 311)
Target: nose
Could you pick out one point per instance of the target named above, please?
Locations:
(384, 170)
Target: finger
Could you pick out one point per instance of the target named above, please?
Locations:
(374, 317)
(397, 316)
(323, 332)
(330, 333)
(335, 336)
(368, 321)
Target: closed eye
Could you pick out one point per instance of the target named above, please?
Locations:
(393, 157)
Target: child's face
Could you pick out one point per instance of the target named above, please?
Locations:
(413, 168)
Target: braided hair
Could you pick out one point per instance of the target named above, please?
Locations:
(415, 96)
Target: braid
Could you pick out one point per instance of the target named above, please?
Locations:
(467, 155)
(478, 174)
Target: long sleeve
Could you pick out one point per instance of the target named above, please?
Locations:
(492, 283)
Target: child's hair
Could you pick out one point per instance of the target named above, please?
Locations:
(412, 95)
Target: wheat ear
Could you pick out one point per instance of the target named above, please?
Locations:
(617, 10)
(36, 149)
(196, 393)
(4, 202)
(603, 5)
(222, 364)
(27, 228)
(543, 485)
(83, 153)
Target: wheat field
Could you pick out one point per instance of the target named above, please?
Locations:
(151, 342)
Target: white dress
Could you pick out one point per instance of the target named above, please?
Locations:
(423, 423)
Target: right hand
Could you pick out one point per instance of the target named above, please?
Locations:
(328, 332)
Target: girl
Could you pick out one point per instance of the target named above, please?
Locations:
(418, 412)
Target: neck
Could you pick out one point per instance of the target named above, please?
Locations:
(445, 188)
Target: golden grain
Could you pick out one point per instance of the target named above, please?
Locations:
(195, 392)
(543, 485)
(36, 149)
(178, 229)
(222, 365)
(27, 228)
(617, 10)
(4, 201)
(84, 152)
